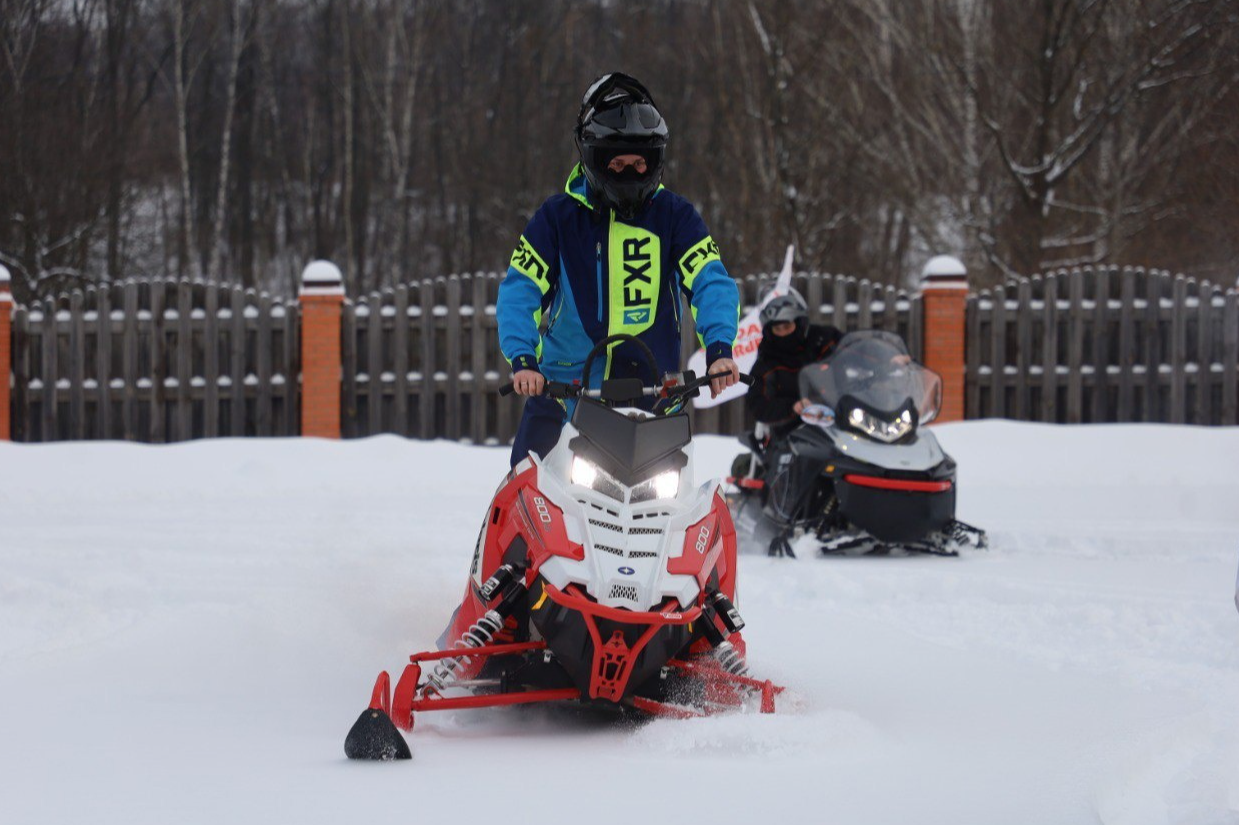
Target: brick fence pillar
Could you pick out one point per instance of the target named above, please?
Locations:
(322, 302)
(944, 298)
(6, 354)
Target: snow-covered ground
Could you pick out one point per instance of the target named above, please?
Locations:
(187, 632)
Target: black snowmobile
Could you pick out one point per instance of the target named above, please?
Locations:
(859, 473)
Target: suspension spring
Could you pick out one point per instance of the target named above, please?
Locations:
(479, 634)
(730, 659)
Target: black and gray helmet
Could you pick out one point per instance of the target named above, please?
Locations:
(618, 117)
(788, 307)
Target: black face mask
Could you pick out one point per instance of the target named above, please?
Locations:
(789, 344)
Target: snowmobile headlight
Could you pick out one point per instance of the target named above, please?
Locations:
(584, 472)
(663, 485)
(882, 429)
(588, 474)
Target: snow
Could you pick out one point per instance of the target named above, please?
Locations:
(187, 632)
(322, 277)
(943, 266)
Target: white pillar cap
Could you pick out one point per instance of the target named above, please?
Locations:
(944, 266)
(322, 278)
(944, 271)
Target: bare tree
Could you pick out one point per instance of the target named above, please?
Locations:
(415, 137)
(238, 37)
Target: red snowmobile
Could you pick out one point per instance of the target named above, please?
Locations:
(602, 575)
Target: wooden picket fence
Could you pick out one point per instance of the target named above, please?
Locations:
(163, 360)
(423, 359)
(156, 360)
(1102, 343)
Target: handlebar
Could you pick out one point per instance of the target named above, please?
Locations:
(560, 389)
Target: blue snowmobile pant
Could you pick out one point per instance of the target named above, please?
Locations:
(541, 423)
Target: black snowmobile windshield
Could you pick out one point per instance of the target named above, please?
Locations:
(630, 449)
(875, 369)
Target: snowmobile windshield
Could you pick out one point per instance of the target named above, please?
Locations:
(873, 369)
(631, 449)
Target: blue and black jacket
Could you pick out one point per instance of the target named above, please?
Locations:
(597, 275)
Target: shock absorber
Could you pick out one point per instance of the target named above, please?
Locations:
(499, 581)
(482, 632)
(725, 652)
(479, 634)
(730, 659)
(726, 611)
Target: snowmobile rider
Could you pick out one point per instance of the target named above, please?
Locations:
(789, 343)
(611, 254)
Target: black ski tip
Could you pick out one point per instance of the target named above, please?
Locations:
(374, 736)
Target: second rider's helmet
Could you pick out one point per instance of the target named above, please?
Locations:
(618, 117)
(787, 307)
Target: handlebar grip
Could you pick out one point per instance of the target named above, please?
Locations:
(507, 389)
(745, 378)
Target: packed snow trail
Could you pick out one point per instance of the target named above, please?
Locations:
(187, 632)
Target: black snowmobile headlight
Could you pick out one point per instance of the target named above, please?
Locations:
(883, 429)
(588, 474)
(663, 485)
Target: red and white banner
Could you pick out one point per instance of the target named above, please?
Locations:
(748, 338)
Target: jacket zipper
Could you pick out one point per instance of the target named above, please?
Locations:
(556, 307)
(598, 270)
(606, 330)
(673, 291)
